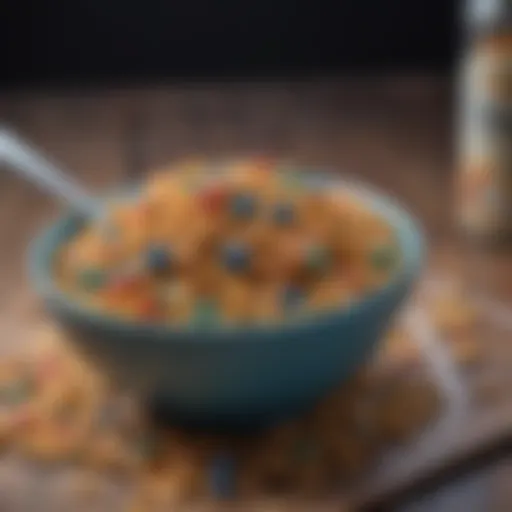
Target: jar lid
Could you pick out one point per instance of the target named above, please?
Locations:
(487, 14)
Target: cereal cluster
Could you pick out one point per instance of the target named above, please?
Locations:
(55, 408)
(246, 242)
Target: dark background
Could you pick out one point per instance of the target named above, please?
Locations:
(118, 41)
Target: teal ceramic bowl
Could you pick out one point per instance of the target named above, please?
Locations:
(232, 376)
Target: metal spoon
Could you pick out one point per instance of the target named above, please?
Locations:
(19, 156)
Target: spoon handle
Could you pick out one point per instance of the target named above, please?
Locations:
(29, 163)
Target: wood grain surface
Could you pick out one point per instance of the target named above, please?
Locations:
(395, 133)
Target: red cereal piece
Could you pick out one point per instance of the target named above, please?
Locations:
(49, 367)
(213, 198)
(150, 309)
(23, 418)
(122, 285)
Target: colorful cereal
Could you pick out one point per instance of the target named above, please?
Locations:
(234, 237)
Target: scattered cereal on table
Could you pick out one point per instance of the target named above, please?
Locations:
(453, 314)
(78, 419)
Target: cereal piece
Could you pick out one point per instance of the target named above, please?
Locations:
(292, 298)
(317, 258)
(236, 257)
(206, 312)
(288, 261)
(332, 292)
(452, 314)
(243, 206)
(92, 279)
(108, 451)
(383, 257)
(48, 442)
(236, 301)
(222, 476)
(213, 198)
(165, 487)
(266, 307)
(400, 350)
(283, 214)
(17, 391)
(159, 259)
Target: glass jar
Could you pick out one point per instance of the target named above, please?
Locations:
(484, 172)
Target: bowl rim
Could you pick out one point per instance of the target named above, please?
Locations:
(409, 231)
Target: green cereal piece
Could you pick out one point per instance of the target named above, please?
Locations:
(92, 279)
(383, 257)
(17, 392)
(206, 312)
(292, 180)
(318, 258)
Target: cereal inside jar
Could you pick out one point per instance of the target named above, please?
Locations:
(246, 243)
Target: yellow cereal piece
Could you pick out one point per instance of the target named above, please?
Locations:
(45, 441)
(266, 306)
(331, 292)
(236, 300)
(399, 350)
(109, 452)
(164, 487)
(452, 314)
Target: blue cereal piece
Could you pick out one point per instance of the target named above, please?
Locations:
(158, 259)
(283, 214)
(243, 206)
(293, 297)
(92, 279)
(222, 476)
(236, 257)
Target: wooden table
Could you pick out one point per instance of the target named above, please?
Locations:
(393, 132)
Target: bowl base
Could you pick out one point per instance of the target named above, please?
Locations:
(165, 414)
